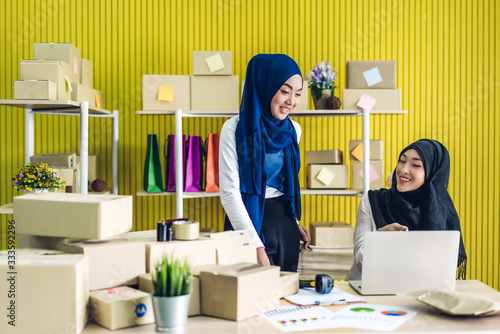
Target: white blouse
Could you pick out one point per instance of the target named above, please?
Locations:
(229, 180)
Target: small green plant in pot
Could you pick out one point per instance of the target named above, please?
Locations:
(172, 280)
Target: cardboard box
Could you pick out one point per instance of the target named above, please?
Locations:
(333, 261)
(111, 263)
(146, 285)
(239, 291)
(35, 90)
(44, 294)
(52, 70)
(80, 92)
(73, 215)
(69, 175)
(94, 167)
(234, 247)
(357, 70)
(86, 73)
(289, 283)
(67, 160)
(66, 52)
(376, 149)
(376, 174)
(331, 234)
(121, 307)
(212, 63)
(326, 176)
(324, 157)
(387, 99)
(197, 252)
(182, 92)
(215, 93)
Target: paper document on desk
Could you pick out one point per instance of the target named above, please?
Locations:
(294, 318)
(308, 296)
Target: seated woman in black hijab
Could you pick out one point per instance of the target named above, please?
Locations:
(417, 200)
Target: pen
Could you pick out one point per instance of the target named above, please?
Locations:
(326, 302)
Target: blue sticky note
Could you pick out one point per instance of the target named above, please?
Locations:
(372, 76)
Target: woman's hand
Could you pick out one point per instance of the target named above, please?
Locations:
(305, 237)
(262, 257)
(394, 227)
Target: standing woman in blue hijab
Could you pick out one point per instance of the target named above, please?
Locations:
(259, 162)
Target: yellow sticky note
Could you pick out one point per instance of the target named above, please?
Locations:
(165, 93)
(97, 101)
(66, 78)
(325, 176)
(358, 152)
(214, 62)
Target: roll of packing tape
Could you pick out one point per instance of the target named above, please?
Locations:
(186, 230)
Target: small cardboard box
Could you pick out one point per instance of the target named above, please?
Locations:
(35, 90)
(81, 92)
(230, 292)
(234, 247)
(45, 293)
(86, 73)
(111, 263)
(59, 51)
(358, 77)
(324, 157)
(387, 99)
(331, 234)
(52, 70)
(121, 307)
(333, 261)
(289, 283)
(377, 179)
(214, 93)
(73, 215)
(212, 63)
(197, 252)
(146, 285)
(69, 175)
(376, 149)
(326, 176)
(181, 98)
(67, 160)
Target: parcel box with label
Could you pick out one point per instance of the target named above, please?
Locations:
(326, 176)
(212, 63)
(324, 157)
(386, 99)
(239, 291)
(44, 293)
(373, 74)
(86, 73)
(331, 234)
(376, 174)
(73, 215)
(111, 263)
(121, 307)
(35, 90)
(234, 247)
(52, 70)
(356, 150)
(214, 93)
(166, 92)
(146, 285)
(60, 51)
(67, 160)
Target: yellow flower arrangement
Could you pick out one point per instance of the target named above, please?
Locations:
(39, 176)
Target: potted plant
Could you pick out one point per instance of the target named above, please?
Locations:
(37, 178)
(172, 284)
(322, 82)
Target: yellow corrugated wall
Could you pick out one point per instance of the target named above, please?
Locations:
(448, 70)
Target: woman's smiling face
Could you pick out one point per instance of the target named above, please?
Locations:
(287, 98)
(410, 173)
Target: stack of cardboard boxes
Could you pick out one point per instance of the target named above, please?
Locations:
(88, 258)
(325, 170)
(376, 164)
(57, 73)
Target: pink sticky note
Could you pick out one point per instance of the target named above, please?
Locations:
(366, 102)
(373, 174)
(75, 65)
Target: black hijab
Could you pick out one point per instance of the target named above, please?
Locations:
(427, 208)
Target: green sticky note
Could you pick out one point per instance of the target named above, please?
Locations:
(325, 176)
(214, 63)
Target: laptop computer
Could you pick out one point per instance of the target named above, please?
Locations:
(401, 262)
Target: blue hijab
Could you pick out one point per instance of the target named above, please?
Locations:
(258, 133)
